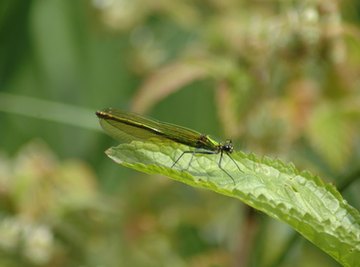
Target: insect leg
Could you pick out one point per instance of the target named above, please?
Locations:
(182, 154)
(192, 156)
(193, 152)
(234, 162)
(219, 164)
(209, 152)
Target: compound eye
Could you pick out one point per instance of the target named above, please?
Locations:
(228, 147)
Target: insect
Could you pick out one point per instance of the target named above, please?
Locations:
(130, 126)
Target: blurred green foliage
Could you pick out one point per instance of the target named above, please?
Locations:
(280, 78)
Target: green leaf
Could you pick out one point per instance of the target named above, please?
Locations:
(315, 209)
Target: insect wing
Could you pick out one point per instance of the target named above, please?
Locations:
(120, 129)
(124, 127)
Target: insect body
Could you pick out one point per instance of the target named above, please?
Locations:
(125, 126)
